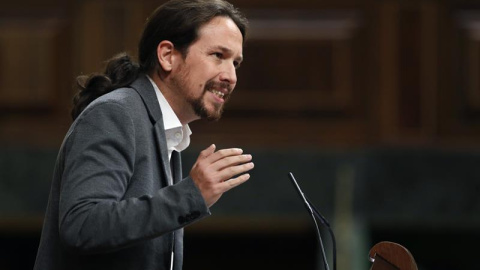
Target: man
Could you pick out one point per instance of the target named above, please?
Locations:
(118, 200)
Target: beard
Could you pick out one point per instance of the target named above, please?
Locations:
(198, 104)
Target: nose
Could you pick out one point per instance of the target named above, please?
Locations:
(229, 74)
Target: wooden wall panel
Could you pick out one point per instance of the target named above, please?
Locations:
(301, 67)
(459, 122)
(104, 29)
(341, 73)
(408, 42)
(27, 66)
(469, 52)
(35, 75)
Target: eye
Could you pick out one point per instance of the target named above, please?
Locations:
(236, 64)
(218, 55)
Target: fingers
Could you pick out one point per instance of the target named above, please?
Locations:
(231, 166)
(213, 171)
(223, 153)
(209, 156)
(221, 163)
(234, 182)
(230, 161)
(207, 152)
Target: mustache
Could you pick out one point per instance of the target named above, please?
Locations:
(216, 85)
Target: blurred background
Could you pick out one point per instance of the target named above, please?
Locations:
(374, 105)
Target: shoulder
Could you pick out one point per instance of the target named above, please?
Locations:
(123, 101)
(125, 97)
(122, 106)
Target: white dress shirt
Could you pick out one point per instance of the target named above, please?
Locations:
(178, 136)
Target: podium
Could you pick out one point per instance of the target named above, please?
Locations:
(391, 256)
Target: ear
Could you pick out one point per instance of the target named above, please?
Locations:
(165, 51)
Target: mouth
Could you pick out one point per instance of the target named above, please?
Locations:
(218, 93)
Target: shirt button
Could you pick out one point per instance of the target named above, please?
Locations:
(178, 135)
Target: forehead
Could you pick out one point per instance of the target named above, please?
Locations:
(221, 31)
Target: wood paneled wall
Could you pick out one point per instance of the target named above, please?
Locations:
(316, 73)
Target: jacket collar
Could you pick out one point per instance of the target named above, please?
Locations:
(144, 87)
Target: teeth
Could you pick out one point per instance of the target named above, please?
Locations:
(218, 93)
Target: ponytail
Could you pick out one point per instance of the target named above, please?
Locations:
(120, 71)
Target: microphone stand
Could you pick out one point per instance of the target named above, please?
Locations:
(315, 213)
(330, 231)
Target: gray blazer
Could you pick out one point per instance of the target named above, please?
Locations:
(111, 204)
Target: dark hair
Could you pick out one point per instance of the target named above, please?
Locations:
(177, 21)
(119, 72)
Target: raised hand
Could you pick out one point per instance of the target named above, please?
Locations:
(213, 171)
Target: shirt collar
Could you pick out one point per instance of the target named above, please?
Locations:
(171, 121)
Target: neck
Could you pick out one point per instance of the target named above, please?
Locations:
(179, 105)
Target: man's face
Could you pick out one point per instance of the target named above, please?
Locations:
(207, 76)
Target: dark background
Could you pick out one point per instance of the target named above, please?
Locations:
(373, 105)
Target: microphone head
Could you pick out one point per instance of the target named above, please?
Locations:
(295, 184)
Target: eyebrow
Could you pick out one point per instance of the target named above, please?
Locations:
(229, 51)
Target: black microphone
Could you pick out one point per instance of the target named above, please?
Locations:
(314, 212)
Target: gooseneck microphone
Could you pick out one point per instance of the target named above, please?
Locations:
(330, 231)
(315, 213)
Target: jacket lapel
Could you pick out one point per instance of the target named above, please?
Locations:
(145, 89)
(176, 167)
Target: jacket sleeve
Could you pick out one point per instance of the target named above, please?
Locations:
(94, 216)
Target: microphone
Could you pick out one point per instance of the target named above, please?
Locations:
(315, 213)
(330, 231)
